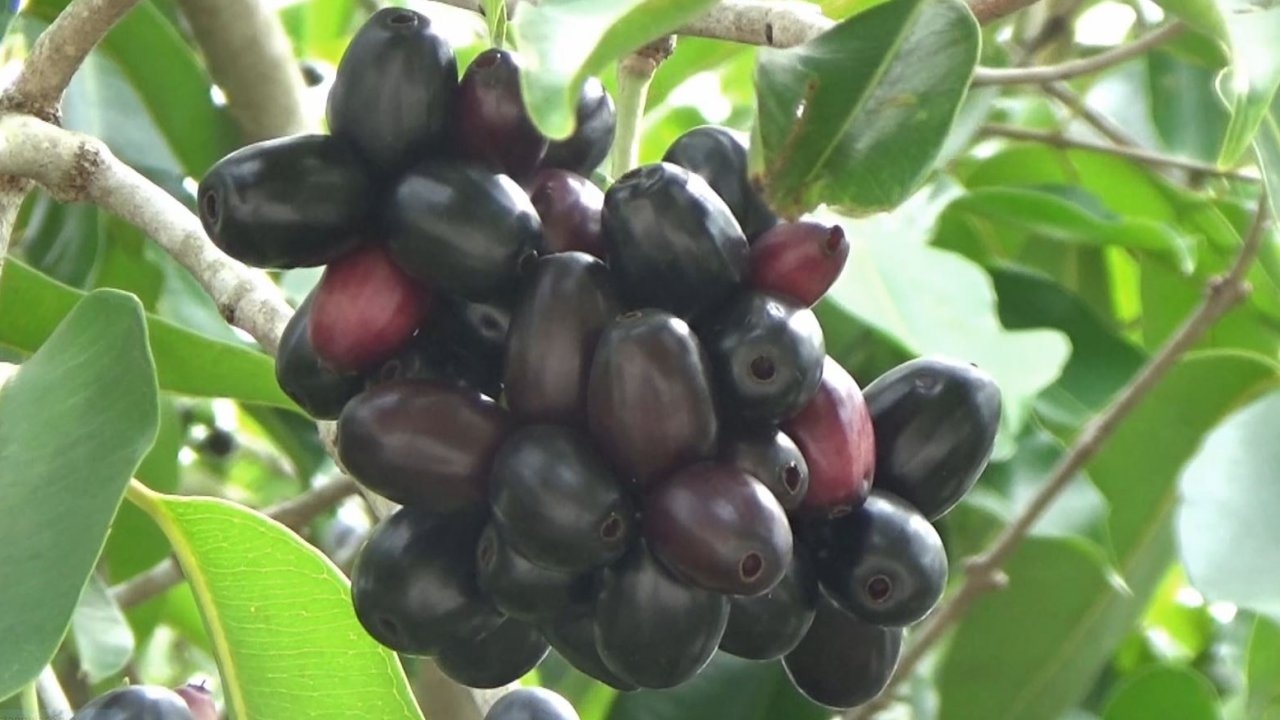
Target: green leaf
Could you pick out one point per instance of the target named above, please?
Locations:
(177, 92)
(257, 582)
(1071, 215)
(1185, 106)
(1228, 504)
(31, 305)
(895, 288)
(1162, 693)
(857, 116)
(1203, 15)
(1035, 649)
(104, 641)
(728, 688)
(1250, 84)
(1101, 360)
(495, 15)
(1263, 670)
(1267, 147)
(74, 424)
(563, 42)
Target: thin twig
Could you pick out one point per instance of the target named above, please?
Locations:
(1084, 66)
(983, 573)
(988, 11)
(293, 513)
(250, 58)
(1103, 124)
(1142, 155)
(58, 53)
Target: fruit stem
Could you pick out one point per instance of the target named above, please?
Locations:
(30, 701)
(635, 74)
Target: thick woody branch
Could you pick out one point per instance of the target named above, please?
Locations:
(58, 54)
(249, 56)
(75, 167)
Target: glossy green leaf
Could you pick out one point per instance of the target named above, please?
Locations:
(1185, 107)
(74, 424)
(103, 639)
(1203, 15)
(1228, 503)
(258, 583)
(1267, 147)
(893, 287)
(1071, 216)
(556, 62)
(728, 688)
(1101, 360)
(177, 92)
(31, 305)
(1033, 650)
(1162, 693)
(857, 116)
(1250, 85)
(1263, 671)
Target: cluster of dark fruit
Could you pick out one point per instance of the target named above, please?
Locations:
(675, 465)
(150, 702)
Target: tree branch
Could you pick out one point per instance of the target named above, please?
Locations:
(75, 167)
(52, 697)
(1057, 139)
(249, 56)
(988, 11)
(58, 53)
(293, 513)
(983, 573)
(1084, 66)
(1103, 124)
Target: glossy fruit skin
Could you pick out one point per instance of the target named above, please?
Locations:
(490, 122)
(317, 388)
(672, 242)
(649, 401)
(768, 626)
(422, 443)
(653, 629)
(567, 304)
(199, 700)
(798, 260)
(481, 325)
(843, 662)
(767, 353)
(719, 155)
(570, 207)
(597, 123)
(572, 634)
(500, 656)
(136, 702)
(772, 458)
(936, 421)
(518, 586)
(718, 528)
(414, 586)
(531, 703)
(365, 310)
(462, 230)
(834, 432)
(557, 500)
(883, 562)
(394, 90)
(297, 201)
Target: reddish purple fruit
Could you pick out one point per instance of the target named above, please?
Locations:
(833, 431)
(365, 310)
(199, 700)
(649, 401)
(305, 377)
(800, 260)
(719, 528)
(570, 207)
(490, 121)
(423, 444)
(553, 336)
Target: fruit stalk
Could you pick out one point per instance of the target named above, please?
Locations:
(983, 572)
(635, 73)
(52, 697)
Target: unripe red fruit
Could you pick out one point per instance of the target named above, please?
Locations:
(834, 433)
(800, 260)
